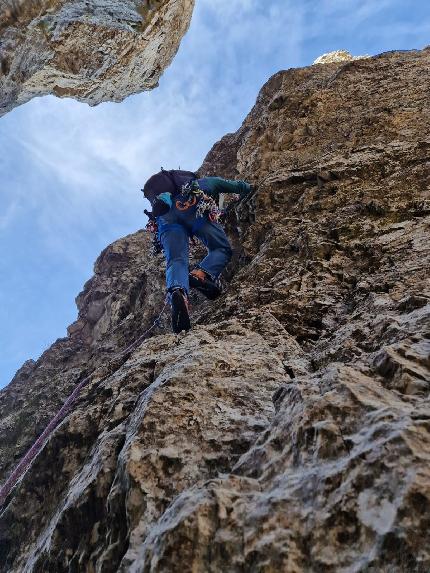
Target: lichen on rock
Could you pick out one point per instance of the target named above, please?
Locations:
(289, 429)
(96, 51)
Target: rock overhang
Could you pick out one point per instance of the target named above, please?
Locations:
(93, 52)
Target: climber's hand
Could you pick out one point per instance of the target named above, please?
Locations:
(244, 197)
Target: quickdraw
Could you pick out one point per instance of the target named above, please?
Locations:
(152, 227)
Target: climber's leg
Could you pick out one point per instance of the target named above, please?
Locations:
(180, 314)
(174, 238)
(215, 240)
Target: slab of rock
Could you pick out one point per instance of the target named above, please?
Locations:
(103, 50)
(289, 429)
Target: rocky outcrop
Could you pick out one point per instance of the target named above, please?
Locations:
(337, 56)
(289, 429)
(96, 51)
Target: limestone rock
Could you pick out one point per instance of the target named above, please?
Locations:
(289, 429)
(103, 50)
(336, 57)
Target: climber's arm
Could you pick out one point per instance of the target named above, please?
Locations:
(218, 185)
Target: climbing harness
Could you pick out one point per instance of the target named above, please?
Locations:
(191, 194)
(184, 205)
(38, 445)
(207, 206)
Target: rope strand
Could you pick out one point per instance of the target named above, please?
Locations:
(25, 462)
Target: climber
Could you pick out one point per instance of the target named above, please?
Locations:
(185, 206)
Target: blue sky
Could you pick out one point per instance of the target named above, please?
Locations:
(70, 174)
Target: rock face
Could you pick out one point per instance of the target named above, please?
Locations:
(103, 50)
(337, 56)
(289, 429)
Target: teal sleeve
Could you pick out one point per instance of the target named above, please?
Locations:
(219, 185)
(166, 198)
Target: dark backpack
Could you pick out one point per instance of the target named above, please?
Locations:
(167, 181)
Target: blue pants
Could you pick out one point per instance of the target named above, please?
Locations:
(174, 230)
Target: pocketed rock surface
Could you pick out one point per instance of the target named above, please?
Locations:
(103, 50)
(289, 430)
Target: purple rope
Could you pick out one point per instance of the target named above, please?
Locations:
(26, 461)
(38, 445)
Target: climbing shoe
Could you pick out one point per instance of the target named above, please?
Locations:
(180, 316)
(205, 284)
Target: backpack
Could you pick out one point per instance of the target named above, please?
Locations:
(167, 181)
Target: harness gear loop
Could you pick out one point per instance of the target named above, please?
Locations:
(184, 205)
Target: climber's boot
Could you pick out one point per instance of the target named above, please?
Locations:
(180, 315)
(205, 284)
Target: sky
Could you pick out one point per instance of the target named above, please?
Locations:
(70, 175)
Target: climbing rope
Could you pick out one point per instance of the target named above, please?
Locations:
(38, 445)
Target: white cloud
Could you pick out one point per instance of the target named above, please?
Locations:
(89, 163)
